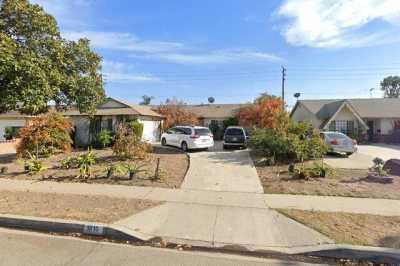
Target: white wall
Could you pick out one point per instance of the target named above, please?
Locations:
(345, 114)
(301, 114)
(151, 129)
(386, 126)
(10, 123)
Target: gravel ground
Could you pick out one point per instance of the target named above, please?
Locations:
(173, 165)
(74, 207)
(349, 228)
(345, 183)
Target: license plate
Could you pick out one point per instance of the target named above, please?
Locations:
(235, 139)
(93, 230)
(204, 140)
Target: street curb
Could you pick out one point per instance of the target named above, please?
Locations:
(66, 226)
(376, 254)
(121, 233)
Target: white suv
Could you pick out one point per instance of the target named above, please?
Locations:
(188, 137)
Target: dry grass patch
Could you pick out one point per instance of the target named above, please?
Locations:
(350, 228)
(71, 207)
(173, 165)
(345, 183)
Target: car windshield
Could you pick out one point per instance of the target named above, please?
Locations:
(336, 136)
(234, 132)
(202, 131)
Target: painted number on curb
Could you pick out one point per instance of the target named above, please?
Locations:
(93, 230)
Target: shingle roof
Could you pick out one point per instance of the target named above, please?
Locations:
(131, 110)
(368, 108)
(125, 109)
(215, 110)
(14, 114)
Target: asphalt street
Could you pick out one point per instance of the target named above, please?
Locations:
(26, 248)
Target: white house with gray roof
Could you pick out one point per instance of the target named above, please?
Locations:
(376, 118)
(107, 116)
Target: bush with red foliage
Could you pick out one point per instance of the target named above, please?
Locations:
(175, 114)
(264, 113)
(44, 135)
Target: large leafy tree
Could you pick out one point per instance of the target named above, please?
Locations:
(263, 113)
(175, 114)
(38, 66)
(391, 86)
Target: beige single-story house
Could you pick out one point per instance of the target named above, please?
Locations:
(107, 116)
(214, 113)
(378, 119)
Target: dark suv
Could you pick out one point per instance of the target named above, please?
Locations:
(235, 137)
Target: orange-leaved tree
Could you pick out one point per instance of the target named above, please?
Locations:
(175, 114)
(264, 113)
(45, 135)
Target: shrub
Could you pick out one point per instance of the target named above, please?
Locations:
(105, 138)
(10, 133)
(128, 145)
(289, 141)
(117, 168)
(85, 163)
(137, 128)
(232, 121)
(124, 169)
(34, 165)
(216, 130)
(45, 135)
(70, 162)
(314, 171)
(377, 168)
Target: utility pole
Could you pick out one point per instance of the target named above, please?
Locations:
(283, 87)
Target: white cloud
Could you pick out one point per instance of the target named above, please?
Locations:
(122, 41)
(338, 23)
(214, 57)
(123, 73)
(69, 13)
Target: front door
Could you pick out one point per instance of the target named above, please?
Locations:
(370, 131)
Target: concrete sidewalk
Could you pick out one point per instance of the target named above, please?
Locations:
(229, 199)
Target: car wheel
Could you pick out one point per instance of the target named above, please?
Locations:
(349, 153)
(164, 142)
(184, 146)
(225, 147)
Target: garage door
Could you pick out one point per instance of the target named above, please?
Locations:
(150, 131)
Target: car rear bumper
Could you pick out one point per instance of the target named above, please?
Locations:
(205, 145)
(234, 144)
(344, 149)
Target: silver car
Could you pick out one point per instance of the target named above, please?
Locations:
(339, 142)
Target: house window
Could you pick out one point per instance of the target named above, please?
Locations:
(344, 126)
(214, 122)
(110, 124)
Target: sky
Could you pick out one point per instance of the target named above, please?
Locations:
(233, 50)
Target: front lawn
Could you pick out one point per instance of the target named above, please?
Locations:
(345, 182)
(173, 167)
(71, 207)
(350, 228)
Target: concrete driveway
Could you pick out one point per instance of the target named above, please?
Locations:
(222, 170)
(362, 159)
